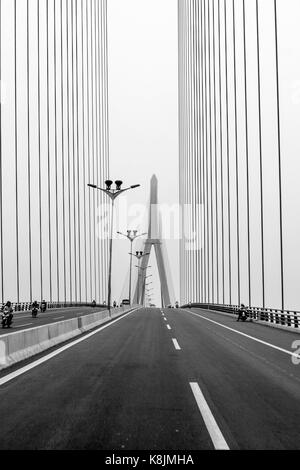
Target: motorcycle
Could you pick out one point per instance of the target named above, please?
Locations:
(34, 312)
(242, 316)
(6, 319)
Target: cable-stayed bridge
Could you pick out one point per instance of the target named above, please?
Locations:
(133, 377)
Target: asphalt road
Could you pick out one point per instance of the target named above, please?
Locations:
(183, 381)
(24, 320)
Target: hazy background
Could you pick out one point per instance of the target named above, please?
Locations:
(143, 126)
(143, 115)
(143, 97)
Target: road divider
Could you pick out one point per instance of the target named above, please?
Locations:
(21, 345)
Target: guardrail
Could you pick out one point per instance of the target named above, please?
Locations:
(27, 306)
(288, 318)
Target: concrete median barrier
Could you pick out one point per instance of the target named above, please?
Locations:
(21, 345)
(63, 331)
(89, 322)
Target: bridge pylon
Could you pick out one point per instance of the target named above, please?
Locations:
(153, 242)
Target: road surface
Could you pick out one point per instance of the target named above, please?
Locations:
(177, 380)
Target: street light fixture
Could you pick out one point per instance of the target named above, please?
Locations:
(132, 236)
(112, 194)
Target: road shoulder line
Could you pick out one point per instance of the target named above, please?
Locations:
(209, 420)
(265, 343)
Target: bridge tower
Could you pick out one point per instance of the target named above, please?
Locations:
(153, 241)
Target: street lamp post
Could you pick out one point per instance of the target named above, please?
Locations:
(131, 238)
(139, 255)
(112, 194)
(144, 282)
(144, 288)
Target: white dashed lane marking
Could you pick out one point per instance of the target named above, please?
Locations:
(176, 345)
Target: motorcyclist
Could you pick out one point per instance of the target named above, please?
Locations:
(35, 306)
(8, 310)
(241, 311)
(115, 304)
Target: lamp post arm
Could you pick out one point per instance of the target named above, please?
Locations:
(113, 194)
(141, 235)
(123, 234)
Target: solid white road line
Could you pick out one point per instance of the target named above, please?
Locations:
(176, 345)
(165, 319)
(209, 420)
(37, 363)
(270, 345)
(169, 328)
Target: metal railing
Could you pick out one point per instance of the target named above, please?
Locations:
(27, 306)
(290, 318)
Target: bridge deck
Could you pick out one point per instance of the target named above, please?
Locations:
(129, 387)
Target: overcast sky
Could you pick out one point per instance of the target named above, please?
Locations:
(143, 121)
(143, 113)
